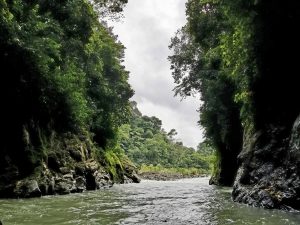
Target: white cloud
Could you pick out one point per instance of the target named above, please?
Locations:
(146, 31)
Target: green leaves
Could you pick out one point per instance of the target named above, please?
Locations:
(213, 55)
(72, 64)
(146, 143)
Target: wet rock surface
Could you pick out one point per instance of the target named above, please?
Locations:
(57, 183)
(27, 188)
(65, 171)
(269, 172)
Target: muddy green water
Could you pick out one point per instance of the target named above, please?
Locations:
(189, 201)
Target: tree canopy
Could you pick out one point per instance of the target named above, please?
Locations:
(146, 143)
(215, 54)
(226, 51)
(61, 71)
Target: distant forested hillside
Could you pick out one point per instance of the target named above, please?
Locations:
(147, 143)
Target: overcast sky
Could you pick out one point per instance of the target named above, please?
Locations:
(146, 31)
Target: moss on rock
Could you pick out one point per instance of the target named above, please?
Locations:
(70, 163)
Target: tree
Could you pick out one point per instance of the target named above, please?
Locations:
(148, 144)
(199, 65)
(172, 133)
(61, 72)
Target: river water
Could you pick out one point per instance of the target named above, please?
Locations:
(188, 201)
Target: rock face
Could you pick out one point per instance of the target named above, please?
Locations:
(269, 171)
(71, 168)
(27, 188)
(48, 182)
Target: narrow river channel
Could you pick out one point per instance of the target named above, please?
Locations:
(188, 201)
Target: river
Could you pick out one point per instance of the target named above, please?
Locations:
(188, 201)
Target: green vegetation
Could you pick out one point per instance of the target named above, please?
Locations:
(61, 73)
(65, 93)
(150, 172)
(181, 172)
(230, 52)
(203, 61)
(151, 148)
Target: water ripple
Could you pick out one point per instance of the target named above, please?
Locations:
(189, 201)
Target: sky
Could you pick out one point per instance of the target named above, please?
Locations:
(145, 31)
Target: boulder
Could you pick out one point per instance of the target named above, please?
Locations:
(64, 185)
(27, 189)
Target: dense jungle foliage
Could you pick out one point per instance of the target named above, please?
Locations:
(61, 73)
(63, 82)
(146, 143)
(235, 53)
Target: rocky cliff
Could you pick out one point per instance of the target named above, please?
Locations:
(269, 163)
(269, 172)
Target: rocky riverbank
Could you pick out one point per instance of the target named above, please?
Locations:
(70, 164)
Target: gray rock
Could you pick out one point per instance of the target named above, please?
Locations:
(27, 189)
(103, 180)
(269, 171)
(68, 176)
(92, 166)
(80, 184)
(64, 186)
(64, 170)
(132, 177)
